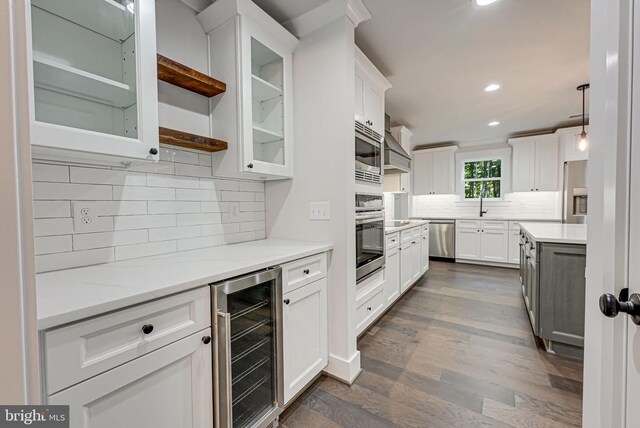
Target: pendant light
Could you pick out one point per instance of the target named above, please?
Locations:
(583, 143)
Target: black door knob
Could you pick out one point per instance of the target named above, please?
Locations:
(610, 306)
(250, 166)
(153, 151)
(306, 271)
(206, 340)
(147, 328)
(287, 301)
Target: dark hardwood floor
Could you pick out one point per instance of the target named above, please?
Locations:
(455, 351)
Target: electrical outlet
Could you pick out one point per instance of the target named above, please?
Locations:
(85, 216)
(234, 211)
(319, 211)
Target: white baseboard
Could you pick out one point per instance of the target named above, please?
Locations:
(344, 370)
(481, 263)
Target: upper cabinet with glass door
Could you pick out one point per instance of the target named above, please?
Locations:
(94, 94)
(252, 53)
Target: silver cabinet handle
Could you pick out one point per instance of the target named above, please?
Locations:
(225, 399)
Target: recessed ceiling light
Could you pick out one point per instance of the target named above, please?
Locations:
(494, 123)
(485, 2)
(492, 87)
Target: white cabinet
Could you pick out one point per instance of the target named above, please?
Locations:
(494, 245)
(434, 171)
(93, 81)
(252, 54)
(410, 257)
(468, 243)
(370, 87)
(167, 388)
(392, 269)
(416, 262)
(514, 246)
(305, 329)
(406, 270)
(424, 251)
(535, 164)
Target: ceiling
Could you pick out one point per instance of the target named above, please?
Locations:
(439, 55)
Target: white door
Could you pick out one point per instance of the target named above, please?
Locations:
(416, 269)
(443, 164)
(305, 350)
(392, 276)
(424, 253)
(373, 108)
(468, 244)
(514, 246)
(523, 165)
(547, 164)
(494, 245)
(422, 173)
(175, 381)
(405, 267)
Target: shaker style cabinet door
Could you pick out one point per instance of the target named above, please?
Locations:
(523, 166)
(93, 80)
(468, 244)
(424, 253)
(422, 173)
(174, 381)
(495, 245)
(392, 276)
(305, 329)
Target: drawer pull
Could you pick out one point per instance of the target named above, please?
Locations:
(287, 301)
(368, 308)
(206, 340)
(147, 328)
(306, 271)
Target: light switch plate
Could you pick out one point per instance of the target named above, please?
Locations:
(320, 211)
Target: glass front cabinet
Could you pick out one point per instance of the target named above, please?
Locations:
(252, 53)
(94, 80)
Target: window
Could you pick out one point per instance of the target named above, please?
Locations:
(482, 178)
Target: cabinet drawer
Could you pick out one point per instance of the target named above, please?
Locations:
(369, 310)
(406, 235)
(85, 349)
(514, 225)
(304, 271)
(495, 224)
(468, 224)
(369, 286)
(393, 240)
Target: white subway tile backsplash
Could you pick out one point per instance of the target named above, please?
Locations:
(147, 209)
(53, 173)
(73, 192)
(125, 252)
(49, 262)
(86, 241)
(169, 233)
(51, 209)
(130, 222)
(107, 176)
(53, 244)
(139, 193)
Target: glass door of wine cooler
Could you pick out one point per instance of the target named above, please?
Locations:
(249, 349)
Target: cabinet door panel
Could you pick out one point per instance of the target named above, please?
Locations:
(547, 164)
(514, 247)
(305, 349)
(416, 269)
(359, 99)
(443, 165)
(468, 244)
(523, 166)
(495, 245)
(373, 108)
(175, 380)
(392, 276)
(424, 253)
(422, 173)
(405, 267)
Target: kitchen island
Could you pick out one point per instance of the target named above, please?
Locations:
(552, 276)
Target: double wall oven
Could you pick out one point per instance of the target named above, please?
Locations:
(248, 361)
(369, 234)
(369, 149)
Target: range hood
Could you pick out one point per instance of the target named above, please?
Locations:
(395, 158)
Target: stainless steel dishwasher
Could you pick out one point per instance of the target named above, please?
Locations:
(442, 240)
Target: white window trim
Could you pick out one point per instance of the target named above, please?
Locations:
(479, 155)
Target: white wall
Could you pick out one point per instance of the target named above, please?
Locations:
(176, 205)
(323, 70)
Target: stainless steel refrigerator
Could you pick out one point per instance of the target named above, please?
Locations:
(574, 192)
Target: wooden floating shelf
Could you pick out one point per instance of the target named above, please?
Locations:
(191, 141)
(185, 77)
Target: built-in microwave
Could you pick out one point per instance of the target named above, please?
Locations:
(369, 149)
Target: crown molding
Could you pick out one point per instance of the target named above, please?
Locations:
(326, 14)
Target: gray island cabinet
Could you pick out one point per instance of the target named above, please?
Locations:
(552, 276)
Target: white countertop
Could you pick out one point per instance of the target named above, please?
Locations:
(70, 295)
(412, 223)
(557, 232)
(519, 219)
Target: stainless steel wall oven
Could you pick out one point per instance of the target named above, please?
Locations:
(249, 389)
(369, 234)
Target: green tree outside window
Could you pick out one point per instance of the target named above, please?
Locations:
(483, 178)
